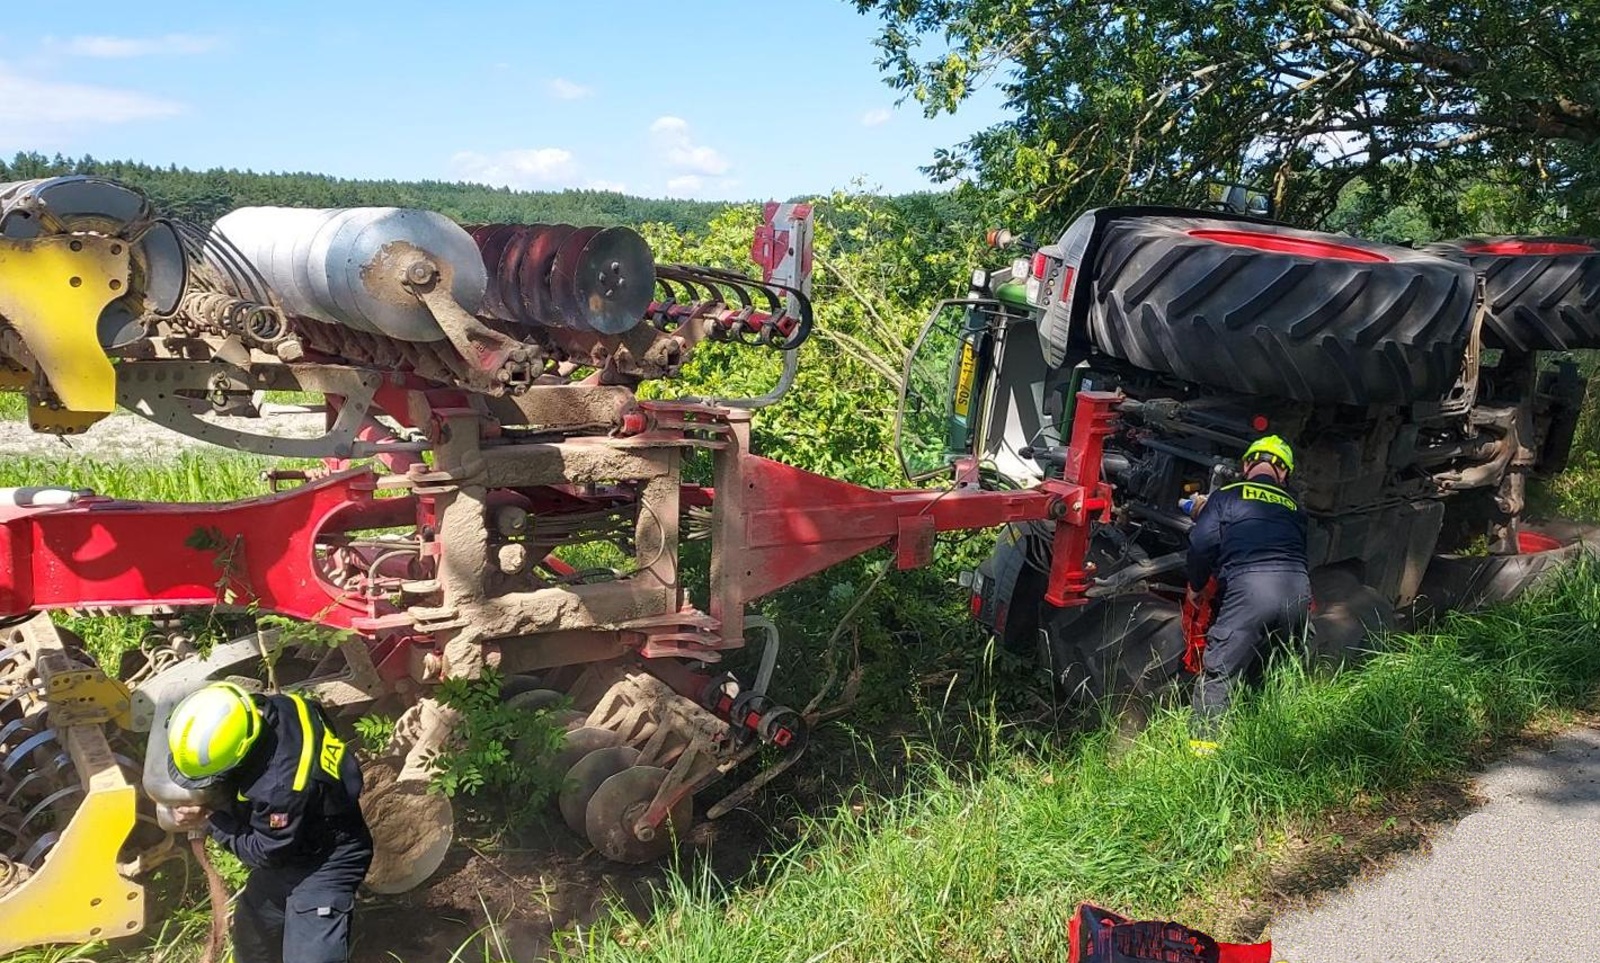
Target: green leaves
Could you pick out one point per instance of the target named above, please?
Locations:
(1152, 100)
(497, 746)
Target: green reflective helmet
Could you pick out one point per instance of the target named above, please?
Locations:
(210, 732)
(1271, 449)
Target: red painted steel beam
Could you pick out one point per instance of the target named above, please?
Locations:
(797, 523)
(103, 552)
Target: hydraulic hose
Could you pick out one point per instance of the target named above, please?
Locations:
(218, 892)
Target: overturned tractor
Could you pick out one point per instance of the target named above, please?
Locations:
(1421, 390)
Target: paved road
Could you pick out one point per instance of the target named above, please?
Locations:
(1517, 880)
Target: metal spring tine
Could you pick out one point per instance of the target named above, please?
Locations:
(684, 293)
(26, 748)
(10, 653)
(17, 726)
(48, 803)
(35, 689)
(34, 857)
(60, 763)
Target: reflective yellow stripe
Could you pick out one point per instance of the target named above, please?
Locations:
(1261, 493)
(331, 754)
(302, 773)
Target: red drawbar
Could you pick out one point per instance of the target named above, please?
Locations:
(1285, 244)
(1536, 248)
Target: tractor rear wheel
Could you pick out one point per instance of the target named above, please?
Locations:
(1268, 309)
(1543, 293)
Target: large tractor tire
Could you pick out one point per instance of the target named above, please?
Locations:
(1348, 618)
(1542, 293)
(1267, 309)
(1130, 646)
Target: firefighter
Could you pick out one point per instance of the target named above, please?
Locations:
(290, 814)
(1247, 558)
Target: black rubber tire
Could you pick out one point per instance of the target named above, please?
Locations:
(1268, 309)
(1539, 296)
(1129, 647)
(1348, 619)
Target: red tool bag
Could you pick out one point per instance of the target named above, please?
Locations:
(1101, 936)
(1198, 610)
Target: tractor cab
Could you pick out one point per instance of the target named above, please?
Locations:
(975, 389)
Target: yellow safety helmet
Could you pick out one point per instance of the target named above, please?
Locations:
(1271, 449)
(210, 732)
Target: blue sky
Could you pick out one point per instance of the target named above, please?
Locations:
(699, 98)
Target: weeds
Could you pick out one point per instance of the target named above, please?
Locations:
(986, 861)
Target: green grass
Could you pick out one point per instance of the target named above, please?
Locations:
(13, 406)
(984, 858)
(985, 862)
(193, 477)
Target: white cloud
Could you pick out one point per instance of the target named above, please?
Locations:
(688, 185)
(701, 187)
(876, 117)
(168, 45)
(38, 106)
(564, 89)
(530, 169)
(672, 138)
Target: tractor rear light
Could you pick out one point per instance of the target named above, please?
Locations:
(1040, 262)
(1066, 286)
(1033, 290)
(975, 604)
(1019, 269)
(1260, 423)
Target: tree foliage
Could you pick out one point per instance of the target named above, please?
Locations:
(1152, 100)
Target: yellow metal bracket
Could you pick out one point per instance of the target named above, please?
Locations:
(78, 893)
(52, 291)
(83, 697)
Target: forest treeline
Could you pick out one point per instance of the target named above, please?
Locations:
(203, 196)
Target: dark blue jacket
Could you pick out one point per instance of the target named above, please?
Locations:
(1247, 526)
(296, 791)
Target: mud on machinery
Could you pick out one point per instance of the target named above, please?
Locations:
(490, 372)
(481, 420)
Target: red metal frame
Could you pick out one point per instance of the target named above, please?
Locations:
(1084, 496)
(777, 525)
(101, 552)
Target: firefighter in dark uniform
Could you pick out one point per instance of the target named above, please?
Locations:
(292, 817)
(1250, 538)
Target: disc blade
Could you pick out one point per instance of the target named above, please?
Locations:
(609, 280)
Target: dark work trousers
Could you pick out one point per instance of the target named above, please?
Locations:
(1255, 605)
(301, 914)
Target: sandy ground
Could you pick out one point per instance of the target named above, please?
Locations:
(1517, 880)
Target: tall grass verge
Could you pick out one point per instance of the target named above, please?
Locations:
(985, 862)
